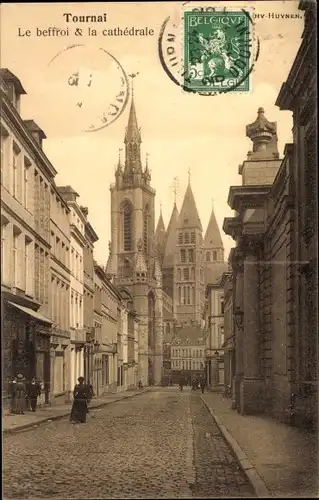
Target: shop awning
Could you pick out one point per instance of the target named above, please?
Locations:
(32, 313)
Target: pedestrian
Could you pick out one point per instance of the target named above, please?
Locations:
(79, 406)
(181, 383)
(202, 384)
(90, 393)
(20, 393)
(33, 392)
(13, 395)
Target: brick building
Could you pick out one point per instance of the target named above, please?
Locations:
(275, 260)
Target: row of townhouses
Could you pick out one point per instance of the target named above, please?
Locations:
(62, 317)
(270, 290)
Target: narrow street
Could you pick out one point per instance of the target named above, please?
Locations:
(162, 444)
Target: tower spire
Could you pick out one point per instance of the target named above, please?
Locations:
(189, 175)
(132, 141)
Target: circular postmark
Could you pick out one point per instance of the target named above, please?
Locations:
(92, 85)
(209, 51)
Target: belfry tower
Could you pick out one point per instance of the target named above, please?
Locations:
(133, 260)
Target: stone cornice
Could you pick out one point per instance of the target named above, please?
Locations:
(232, 226)
(243, 197)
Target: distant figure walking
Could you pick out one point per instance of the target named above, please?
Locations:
(140, 384)
(79, 406)
(20, 392)
(202, 384)
(90, 393)
(13, 395)
(33, 392)
(181, 383)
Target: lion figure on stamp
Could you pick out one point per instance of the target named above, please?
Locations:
(216, 47)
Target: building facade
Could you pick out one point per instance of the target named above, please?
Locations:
(59, 292)
(26, 178)
(187, 354)
(275, 259)
(88, 295)
(214, 331)
(78, 242)
(226, 284)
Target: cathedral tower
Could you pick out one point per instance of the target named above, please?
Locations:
(188, 265)
(169, 254)
(133, 260)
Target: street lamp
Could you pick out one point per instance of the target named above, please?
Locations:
(239, 318)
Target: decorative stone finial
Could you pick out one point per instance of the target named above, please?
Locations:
(110, 247)
(261, 131)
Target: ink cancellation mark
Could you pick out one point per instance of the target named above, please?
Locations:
(95, 83)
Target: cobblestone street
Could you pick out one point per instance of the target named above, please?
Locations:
(162, 444)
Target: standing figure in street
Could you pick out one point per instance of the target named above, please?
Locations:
(202, 384)
(20, 393)
(90, 392)
(13, 395)
(79, 406)
(181, 383)
(33, 392)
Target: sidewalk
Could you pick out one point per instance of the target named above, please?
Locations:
(16, 423)
(279, 460)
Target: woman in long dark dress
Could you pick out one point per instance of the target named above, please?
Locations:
(79, 406)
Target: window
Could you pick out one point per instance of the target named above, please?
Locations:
(222, 305)
(26, 263)
(27, 164)
(127, 226)
(207, 256)
(179, 295)
(193, 238)
(179, 274)
(187, 238)
(214, 255)
(186, 274)
(188, 295)
(180, 238)
(191, 255)
(194, 296)
(145, 229)
(192, 273)
(15, 257)
(183, 255)
(15, 175)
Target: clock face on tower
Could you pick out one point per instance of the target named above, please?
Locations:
(94, 84)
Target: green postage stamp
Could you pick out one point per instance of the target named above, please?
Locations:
(217, 51)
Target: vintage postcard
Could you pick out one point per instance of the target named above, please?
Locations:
(159, 295)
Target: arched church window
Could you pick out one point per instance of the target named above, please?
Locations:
(145, 229)
(191, 255)
(179, 295)
(135, 149)
(192, 273)
(207, 256)
(214, 255)
(127, 226)
(180, 238)
(186, 238)
(194, 296)
(183, 255)
(186, 274)
(184, 295)
(179, 274)
(193, 238)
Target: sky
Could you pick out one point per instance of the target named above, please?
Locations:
(180, 131)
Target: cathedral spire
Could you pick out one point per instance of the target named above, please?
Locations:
(171, 239)
(213, 238)
(160, 237)
(188, 217)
